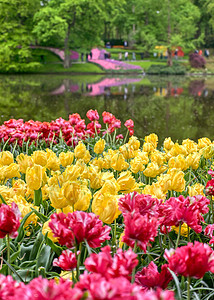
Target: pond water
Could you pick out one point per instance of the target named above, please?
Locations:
(179, 107)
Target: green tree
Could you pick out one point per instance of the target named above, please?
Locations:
(71, 20)
(15, 34)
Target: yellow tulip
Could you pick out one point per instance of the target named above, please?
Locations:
(137, 165)
(134, 142)
(184, 229)
(66, 159)
(152, 139)
(193, 160)
(148, 147)
(24, 161)
(157, 157)
(154, 190)
(196, 189)
(168, 144)
(106, 207)
(178, 149)
(127, 151)
(177, 180)
(84, 198)
(53, 162)
(99, 146)
(19, 187)
(80, 150)
(71, 173)
(11, 171)
(127, 182)
(118, 162)
(87, 157)
(57, 197)
(151, 170)
(203, 142)
(39, 157)
(178, 162)
(34, 177)
(6, 158)
(110, 187)
(190, 146)
(71, 190)
(208, 151)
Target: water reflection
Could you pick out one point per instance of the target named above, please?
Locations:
(179, 107)
(124, 86)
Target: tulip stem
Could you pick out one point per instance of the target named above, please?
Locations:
(133, 272)
(188, 231)
(115, 234)
(8, 253)
(179, 234)
(188, 288)
(78, 260)
(212, 209)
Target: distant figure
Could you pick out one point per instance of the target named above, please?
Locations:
(109, 55)
(126, 55)
(155, 54)
(206, 53)
(82, 57)
(161, 55)
(108, 45)
(120, 56)
(176, 54)
(133, 56)
(125, 44)
(141, 55)
(91, 55)
(200, 52)
(86, 57)
(196, 51)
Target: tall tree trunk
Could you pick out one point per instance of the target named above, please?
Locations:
(169, 60)
(66, 48)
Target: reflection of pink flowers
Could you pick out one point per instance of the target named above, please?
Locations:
(181, 260)
(67, 260)
(149, 277)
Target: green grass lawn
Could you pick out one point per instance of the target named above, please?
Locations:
(75, 68)
(51, 63)
(146, 64)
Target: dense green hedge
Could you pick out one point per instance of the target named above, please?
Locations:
(176, 69)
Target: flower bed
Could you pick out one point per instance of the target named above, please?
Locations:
(106, 219)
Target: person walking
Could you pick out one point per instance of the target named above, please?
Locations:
(133, 56)
(126, 55)
(120, 56)
(176, 54)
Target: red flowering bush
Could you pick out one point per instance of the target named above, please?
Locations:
(197, 61)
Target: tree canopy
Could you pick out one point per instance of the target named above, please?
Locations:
(83, 24)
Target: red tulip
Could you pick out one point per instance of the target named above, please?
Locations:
(103, 263)
(92, 115)
(149, 277)
(129, 124)
(209, 188)
(141, 229)
(209, 232)
(79, 226)
(193, 260)
(66, 261)
(144, 204)
(184, 210)
(9, 220)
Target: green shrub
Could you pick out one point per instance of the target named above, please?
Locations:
(176, 69)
